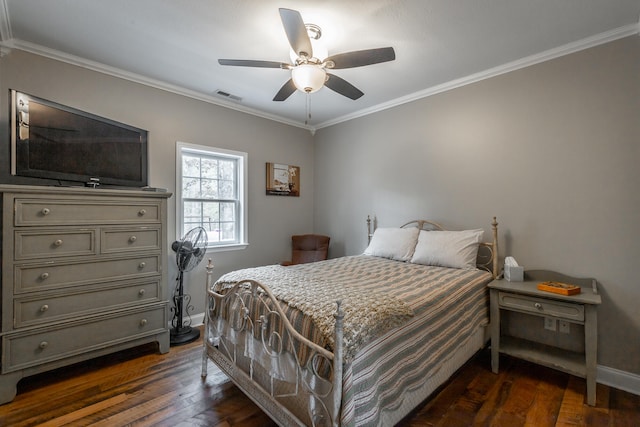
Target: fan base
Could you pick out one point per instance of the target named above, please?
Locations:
(179, 336)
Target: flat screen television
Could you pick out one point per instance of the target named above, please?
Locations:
(55, 142)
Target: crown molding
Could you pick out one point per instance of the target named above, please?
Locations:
(598, 39)
(137, 78)
(566, 49)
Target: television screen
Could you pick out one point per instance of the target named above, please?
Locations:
(57, 142)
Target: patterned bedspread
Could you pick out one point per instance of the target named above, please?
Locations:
(368, 310)
(449, 305)
(438, 308)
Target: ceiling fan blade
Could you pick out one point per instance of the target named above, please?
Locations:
(253, 63)
(343, 87)
(285, 91)
(296, 32)
(360, 58)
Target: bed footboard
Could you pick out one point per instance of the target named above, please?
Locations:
(249, 337)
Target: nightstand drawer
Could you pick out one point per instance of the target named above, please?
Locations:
(544, 307)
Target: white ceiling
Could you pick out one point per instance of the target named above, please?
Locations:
(439, 44)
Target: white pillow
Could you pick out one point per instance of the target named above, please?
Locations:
(457, 249)
(394, 243)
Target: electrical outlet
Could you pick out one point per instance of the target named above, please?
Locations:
(550, 323)
(564, 327)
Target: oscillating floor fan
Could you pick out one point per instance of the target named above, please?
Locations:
(189, 252)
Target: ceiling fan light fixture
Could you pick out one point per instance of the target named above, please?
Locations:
(308, 78)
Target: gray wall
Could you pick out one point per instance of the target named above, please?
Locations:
(170, 118)
(552, 150)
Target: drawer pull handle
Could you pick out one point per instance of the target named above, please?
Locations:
(44, 308)
(142, 265)
(58, 242)
(538, 306)
(45, 211)
(143, 322)
(141, 292)
(142, 212)
(44, 276)
(43, 345)
(132, 239)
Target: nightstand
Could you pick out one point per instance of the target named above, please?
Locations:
(557, 331)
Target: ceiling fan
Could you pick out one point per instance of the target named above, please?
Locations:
(309, 68)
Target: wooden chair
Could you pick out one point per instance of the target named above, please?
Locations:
(308, 248)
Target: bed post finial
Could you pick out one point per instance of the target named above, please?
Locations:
(494, 229)
(209, 268)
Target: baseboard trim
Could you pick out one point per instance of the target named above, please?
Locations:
(616, 378)
(197, 319)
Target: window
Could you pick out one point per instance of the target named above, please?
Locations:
(210, 193)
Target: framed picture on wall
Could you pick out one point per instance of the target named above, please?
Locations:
(283, 180)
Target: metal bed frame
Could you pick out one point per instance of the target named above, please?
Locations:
(263, 357)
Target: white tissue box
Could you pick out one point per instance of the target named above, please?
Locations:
(513, 273)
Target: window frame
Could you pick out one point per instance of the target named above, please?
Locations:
(183, 148)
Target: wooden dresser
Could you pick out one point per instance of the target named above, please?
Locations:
(83, 275)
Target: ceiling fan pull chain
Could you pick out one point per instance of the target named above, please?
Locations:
(308, 109)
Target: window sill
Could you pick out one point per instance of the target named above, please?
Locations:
(224, 248)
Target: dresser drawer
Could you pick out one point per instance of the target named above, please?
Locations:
(29, 212)
(47, 309)
(57, 274)
(543, 307)
(31, 244)
(22, 350)
(117, 240)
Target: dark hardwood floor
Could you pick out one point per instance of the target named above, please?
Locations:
(140, 387)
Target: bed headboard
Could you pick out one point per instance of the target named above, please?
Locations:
(487, 252)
